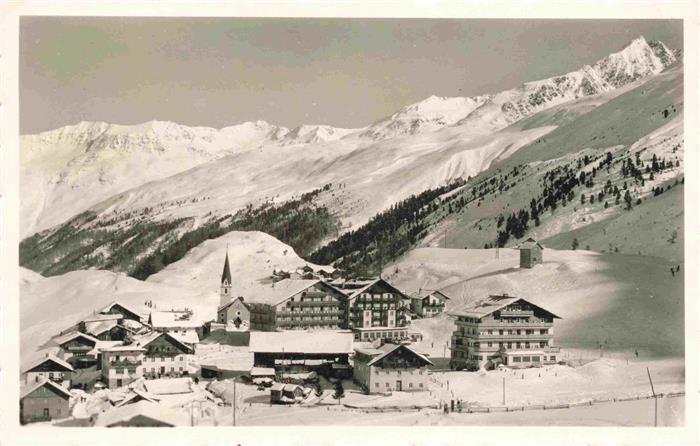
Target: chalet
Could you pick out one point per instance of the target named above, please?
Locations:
(164, 355)
(429, 303)
(185, 325)
(391, 368)
(235, 315)
(49, 367)
(505, 330)
(122, 365)
(299, 347)
(377, 310)
(127, 312)
(44, 401)
(79, 349)
(287, 393)
(530, 253)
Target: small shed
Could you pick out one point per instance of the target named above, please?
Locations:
(530, 253)
(286, 393)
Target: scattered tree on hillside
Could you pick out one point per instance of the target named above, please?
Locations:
(574, 244)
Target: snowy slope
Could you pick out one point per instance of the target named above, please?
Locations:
(65, 171)
(312, 134)
(629, 302)
(488, 113)
(253, 256)
(53, 304)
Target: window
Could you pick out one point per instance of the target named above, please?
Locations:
(410, 385)
(420, 385)
(490, 344)
(46, 411)
(180, 369)
(172, 369)
(526, 359)
(516, 358)
(489, 332)
(500, 332)
(552, 358)
(544, 331)
(387, 384)
(535, 359)
(519, 331)
(517, 345)
(376, 372)
(510, 345)
(376, 385)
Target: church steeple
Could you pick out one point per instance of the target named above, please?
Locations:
(225, 295)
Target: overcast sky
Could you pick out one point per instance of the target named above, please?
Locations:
(345, 73)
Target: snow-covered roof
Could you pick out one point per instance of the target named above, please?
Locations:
(369, 285)
(231, 302)
(423, 293)
(483, 307)
(102, 317)
(175, 318)
(168, 386)
(51, 358)
(97, 328)
(143, 341)
(327, 342)
(388, 349)
(262, 371)
(129, 308)
(280, 291)
(529, 243)
(143, 408)
(76, 334)
(524, 352)
(47, 382)
(135, 393)
(123, 348)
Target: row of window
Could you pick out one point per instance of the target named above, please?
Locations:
(467, 331)
(384, 334)
(387, 385)
(154, 359)
(407, 372)
(541, 344)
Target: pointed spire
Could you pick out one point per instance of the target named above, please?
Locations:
(226, 275)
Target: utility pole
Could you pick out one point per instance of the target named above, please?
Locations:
(655, 398)
(234, 401)
(504, 390)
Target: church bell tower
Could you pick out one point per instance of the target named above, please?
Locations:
(225, 294)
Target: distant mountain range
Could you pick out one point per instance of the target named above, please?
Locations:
(164, 172)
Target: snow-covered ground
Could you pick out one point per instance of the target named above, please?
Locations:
(624, 302)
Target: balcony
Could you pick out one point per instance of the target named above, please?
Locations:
(505, 323)
(125, 363)
(507, 337)
(325, 303)
(517, 313)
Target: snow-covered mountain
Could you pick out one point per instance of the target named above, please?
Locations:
(65, 171)
(312, 134)
(491, 112)
(192, 172)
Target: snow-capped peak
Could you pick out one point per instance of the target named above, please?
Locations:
(311, 134)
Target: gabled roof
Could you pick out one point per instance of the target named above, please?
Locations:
(47, 382)
(389, 349)
(483, 307)
(226, 305)
(76, 334)
(422, 294)
(285, 289)
(102, 317)
(58, 361)
(329, 342)
(138, 393)
(226, 274)
(145, 409)
(144, 341)
(529, 243)
(100, 327)
(357, 292)
(128, 308)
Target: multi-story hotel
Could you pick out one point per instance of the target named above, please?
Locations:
(376, 310)
(505, 330)
(121, 365)
(285, 305)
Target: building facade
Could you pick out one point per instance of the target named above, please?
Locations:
(503, 330)
(377, 310)
(122, 365)
(429, 303)
(530, 253)
(391, 368)
(44, 401)
(49, 368)
(235, 315)
(164, 355)
(79, 350)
